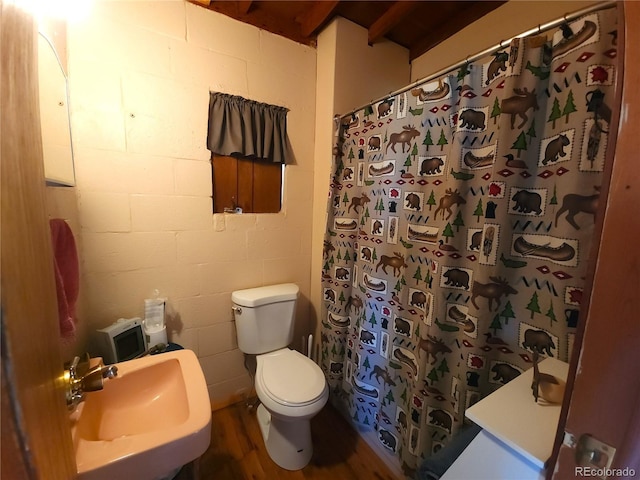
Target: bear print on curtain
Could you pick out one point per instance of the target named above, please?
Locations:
(460, 221)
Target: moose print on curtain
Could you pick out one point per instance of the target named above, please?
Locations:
(460, 221)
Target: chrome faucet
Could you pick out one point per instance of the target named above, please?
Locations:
(82, 379)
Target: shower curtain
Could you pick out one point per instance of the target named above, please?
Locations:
(460, 219)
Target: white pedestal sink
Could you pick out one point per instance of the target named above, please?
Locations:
(154, 417)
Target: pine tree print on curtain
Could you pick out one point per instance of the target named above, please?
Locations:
(460, 222)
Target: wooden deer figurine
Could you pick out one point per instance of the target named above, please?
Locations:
(545, 386)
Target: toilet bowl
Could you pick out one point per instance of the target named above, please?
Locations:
(290, 386)
(291, 389)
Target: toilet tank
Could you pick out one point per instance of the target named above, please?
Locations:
(264, 317)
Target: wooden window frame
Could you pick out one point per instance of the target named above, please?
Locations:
(254, 185)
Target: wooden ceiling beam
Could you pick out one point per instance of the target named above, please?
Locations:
(389, 19)
(470, 13)
(317, 16)
(237, 8)
(243, 6)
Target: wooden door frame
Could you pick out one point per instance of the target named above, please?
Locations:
(603, 388)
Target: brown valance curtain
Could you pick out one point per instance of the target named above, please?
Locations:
(241, 127)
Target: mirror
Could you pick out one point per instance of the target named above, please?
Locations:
(54, 116)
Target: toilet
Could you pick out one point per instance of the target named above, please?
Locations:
(291, 387)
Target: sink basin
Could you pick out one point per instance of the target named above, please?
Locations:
(154, 417)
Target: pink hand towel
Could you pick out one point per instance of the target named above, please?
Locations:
(65, 262)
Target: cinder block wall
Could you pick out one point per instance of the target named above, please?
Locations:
(140, 75)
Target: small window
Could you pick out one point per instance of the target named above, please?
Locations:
(249, 148)
(253, 185)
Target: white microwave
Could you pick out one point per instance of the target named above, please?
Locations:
(124, 340)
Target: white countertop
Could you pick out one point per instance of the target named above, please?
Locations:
(511, 414)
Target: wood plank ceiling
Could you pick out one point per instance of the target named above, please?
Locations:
(416, 25)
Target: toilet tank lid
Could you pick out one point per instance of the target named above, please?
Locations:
(254, 297)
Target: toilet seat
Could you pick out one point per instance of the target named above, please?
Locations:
(289, 378)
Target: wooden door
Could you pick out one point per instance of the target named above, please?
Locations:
(36, 436)
(605, 397)
(253, 185)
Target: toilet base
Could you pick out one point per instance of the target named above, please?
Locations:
(288, 442)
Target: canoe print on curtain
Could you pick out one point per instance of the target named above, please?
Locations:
(460, 221)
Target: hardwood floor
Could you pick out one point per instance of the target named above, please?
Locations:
(237, 451)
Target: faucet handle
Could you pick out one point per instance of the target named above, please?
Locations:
(79, 365)
(74, 366)
(110, 372)
(74, 393)
(82, 379)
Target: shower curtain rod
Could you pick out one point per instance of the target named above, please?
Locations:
(539, 29)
